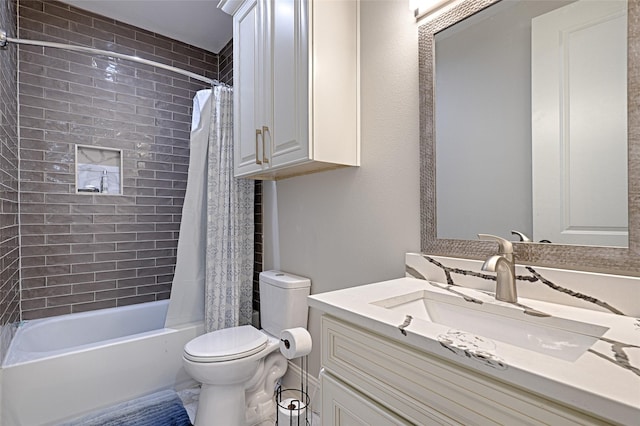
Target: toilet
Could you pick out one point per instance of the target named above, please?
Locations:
(238, 367)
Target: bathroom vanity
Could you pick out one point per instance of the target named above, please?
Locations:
(413, 351)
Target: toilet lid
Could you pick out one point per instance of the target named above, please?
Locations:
(226, 344)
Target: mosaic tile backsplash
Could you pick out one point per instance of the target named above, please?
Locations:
(89, 251)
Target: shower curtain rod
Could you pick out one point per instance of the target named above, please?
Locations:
(4, 40)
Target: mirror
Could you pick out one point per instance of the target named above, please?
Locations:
(439, 177)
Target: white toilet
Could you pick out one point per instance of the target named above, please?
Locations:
(239, 366)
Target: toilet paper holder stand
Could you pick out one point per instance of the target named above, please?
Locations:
(293, 404)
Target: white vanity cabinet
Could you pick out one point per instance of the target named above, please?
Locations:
(365, 369)
(296, 86)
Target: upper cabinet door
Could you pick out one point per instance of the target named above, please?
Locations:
(296, 86)
(248, 142)
(288, 136)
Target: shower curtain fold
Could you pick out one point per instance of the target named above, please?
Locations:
(213, 280)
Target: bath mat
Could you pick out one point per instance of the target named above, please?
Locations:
(159, 409)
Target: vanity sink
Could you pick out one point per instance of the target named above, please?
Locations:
(528, 329)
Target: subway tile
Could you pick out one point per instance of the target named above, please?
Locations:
(168, 278)
(40, 101)
(115, 255)
(48, 249)
(93, 267)
(157, 288)
(139, 209)
(70, 218)
(152, 254)
(92, 306)
(92, 228)
(45, 18)
(36, 282)
(70, 299)
(69, 259)
(43, 229)
(70, 279)
(113, 218)
(69, 238)
(135, 282)
(135, 227)
(169, 210)
(116, 275)
(31, 261)
(155, 271)
(93, 286)
(93, 248)
(168, 243)
(116, 237)
(33, 304)
(61, 11)
(142, 110)
(91, 31)
(45, 313)
(34, 63)
(66, 36)
(137, 245)
(173, 226)
(116, 294)
(154, 236)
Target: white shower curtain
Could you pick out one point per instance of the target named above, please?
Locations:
(214, 265)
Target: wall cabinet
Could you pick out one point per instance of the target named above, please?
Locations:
(418, 388)
(296, 86)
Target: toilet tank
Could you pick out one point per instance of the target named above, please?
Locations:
(283, 301)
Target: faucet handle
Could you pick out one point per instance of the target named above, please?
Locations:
(505, 245)
(523, 237)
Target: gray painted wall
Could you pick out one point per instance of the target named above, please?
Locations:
(352, 226)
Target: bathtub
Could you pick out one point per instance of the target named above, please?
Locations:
(62, 367)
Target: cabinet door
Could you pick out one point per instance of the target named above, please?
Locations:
(343, 406)
(247, 54)
(287, 137)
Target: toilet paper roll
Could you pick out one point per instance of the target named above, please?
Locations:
(295, 342)
(291, 412)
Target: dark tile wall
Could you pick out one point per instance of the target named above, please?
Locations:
(9, 239)
(257, 244)
(83, 252)
(225, 64)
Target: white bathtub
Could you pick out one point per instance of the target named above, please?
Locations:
(62, 367)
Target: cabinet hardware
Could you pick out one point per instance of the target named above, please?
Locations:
(265, 130)
(258, 133)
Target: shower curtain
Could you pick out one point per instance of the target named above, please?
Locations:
(213, 280)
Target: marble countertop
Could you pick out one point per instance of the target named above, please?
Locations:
(603, 381)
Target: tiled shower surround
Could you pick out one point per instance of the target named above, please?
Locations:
(90, 251)
(9, 250)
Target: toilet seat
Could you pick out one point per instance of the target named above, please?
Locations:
(226, 344)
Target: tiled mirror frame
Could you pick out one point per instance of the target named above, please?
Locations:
(613, 260)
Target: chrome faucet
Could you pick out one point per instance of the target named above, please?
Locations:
(503, 265)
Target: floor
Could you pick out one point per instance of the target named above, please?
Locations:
(190, 397)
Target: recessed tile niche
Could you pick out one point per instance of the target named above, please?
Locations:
(98, 170)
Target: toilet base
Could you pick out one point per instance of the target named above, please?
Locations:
(221, 406)
(247, 403)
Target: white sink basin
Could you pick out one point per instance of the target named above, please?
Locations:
(558, 337)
